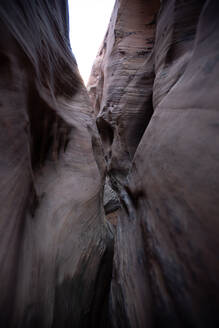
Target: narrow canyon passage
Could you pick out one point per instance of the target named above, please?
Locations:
(109, 200)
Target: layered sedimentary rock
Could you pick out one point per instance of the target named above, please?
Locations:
(157, 114)
(154, 88)
(55, 246)
(117, 85)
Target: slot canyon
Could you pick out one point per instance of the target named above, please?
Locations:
(109, 199)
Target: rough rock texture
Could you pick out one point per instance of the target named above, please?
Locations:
(110, 199)
(55, 246)
(118, 87)
(157, 115)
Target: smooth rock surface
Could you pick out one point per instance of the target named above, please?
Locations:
(161, 141)
(55, 245)
(154, 89)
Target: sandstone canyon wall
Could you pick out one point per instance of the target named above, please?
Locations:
(154, 90)
(155, 87)
(55, 245)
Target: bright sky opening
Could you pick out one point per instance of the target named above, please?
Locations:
(89, 20)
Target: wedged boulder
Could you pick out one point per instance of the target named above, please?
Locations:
(55, 245)
(110, 199)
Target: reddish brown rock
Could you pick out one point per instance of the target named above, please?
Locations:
(160, 134)
(155, 92)
(118, 87)
(55, 246)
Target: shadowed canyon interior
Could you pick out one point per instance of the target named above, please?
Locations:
(109, 199)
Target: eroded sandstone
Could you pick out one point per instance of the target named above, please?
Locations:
(157, 118)
(154, 90)
(55, 245)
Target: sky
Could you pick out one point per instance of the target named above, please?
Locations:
(89, 20)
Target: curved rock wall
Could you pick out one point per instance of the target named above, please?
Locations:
(117, 84)
(55, 245)
(157, 117)
(154, 88)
